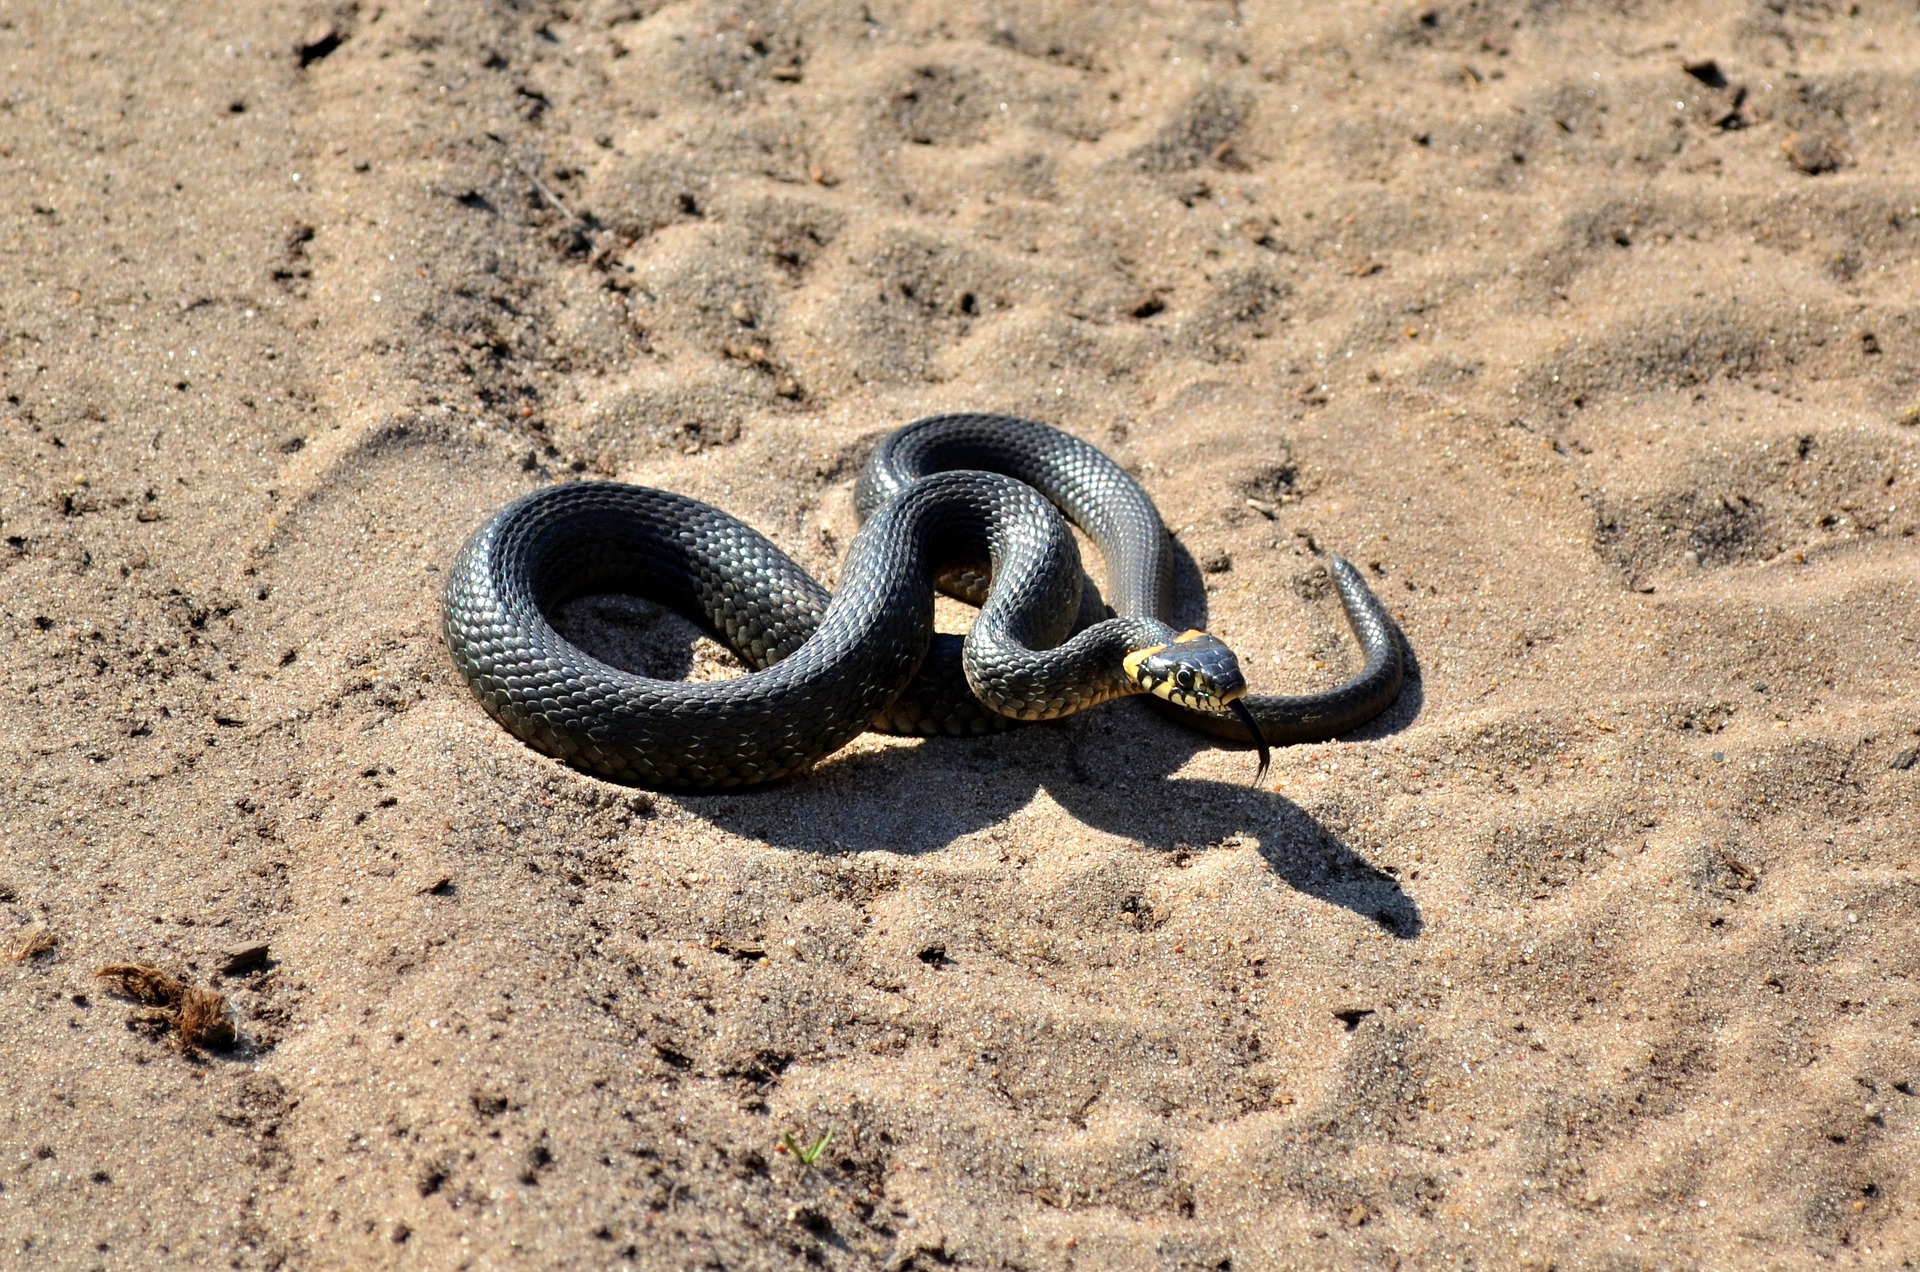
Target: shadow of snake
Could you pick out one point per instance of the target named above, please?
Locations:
(1113, 769)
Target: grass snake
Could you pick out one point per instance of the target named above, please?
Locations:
(949, 501)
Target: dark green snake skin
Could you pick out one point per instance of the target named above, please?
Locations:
(827, 668)
(1105, 501)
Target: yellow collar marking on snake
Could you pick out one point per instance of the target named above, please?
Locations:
(1175, 679)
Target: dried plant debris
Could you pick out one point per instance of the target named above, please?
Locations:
(34, 942)
(197, 1017)
(203, 1019)
(140, 982)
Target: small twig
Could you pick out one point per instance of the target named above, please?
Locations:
(546, 192)
(553, 198)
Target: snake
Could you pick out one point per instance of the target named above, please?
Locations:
(975, 504)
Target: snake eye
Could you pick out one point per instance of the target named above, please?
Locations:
(1185, 678)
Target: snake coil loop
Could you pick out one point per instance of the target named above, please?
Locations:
(948, 490)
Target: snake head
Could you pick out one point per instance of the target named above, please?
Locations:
(1192, 670)
(1198, 671)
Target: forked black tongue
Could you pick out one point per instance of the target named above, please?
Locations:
(1239, 708)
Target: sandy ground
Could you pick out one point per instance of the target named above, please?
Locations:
(1589, 329)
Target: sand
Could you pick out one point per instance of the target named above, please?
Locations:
(1588, 330)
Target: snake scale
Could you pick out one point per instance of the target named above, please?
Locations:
(946, 501)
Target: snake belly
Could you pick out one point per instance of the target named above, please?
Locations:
(1115, 512)
(825, 668)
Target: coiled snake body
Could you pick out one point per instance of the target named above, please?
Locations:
(943, 497)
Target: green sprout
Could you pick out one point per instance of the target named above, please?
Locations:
(805, 1156)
